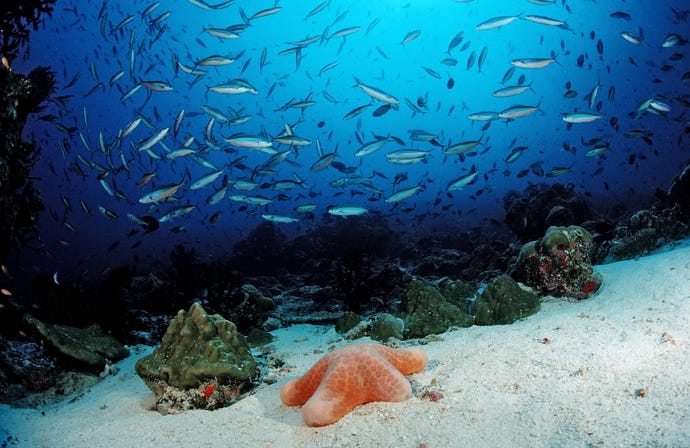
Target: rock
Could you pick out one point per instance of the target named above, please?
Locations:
(503, 302)
(559, 264)
(199, 350)
(426, 311)
(346, 322)
(387, 326)
(456, 292)
(88, 348)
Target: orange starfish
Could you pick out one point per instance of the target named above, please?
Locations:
(350, 376)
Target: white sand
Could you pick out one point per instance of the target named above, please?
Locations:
(501, 386)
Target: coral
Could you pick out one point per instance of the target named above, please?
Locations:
(350, 376)
(88, 348)
(503, 302)
(426, 311)
(559, 264)
(387, 326)
(199, 348)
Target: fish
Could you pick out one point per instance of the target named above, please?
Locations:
(410, 36)
(511, 90)
(459, 148)
(176, 212)
(543, 20)
(161, 194)
(463, 181)
(347, 210)
(496, 22)
(580, 117)
(378, 94)
(370, 147)
(518, 111)
(403, 194)
(532, 63)
(282, 219)
(156, 138)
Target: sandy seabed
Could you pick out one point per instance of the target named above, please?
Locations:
(609, 371)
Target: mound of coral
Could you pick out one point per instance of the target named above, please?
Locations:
(559, 264)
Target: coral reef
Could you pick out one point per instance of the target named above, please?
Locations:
(198, 349)
(503, 302)
(88, 348)
(559, 264)
(426, 311)
(20, 200)
(540, 206)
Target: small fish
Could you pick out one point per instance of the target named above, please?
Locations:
(409, 37)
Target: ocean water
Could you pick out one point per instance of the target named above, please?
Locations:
(400, 52)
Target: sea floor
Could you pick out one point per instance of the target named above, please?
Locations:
(607, 371)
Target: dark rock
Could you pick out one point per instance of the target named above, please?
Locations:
(88, 348)
(503, 302)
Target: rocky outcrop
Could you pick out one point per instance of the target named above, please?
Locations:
(88, 348)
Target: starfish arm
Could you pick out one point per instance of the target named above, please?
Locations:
(297, 392)
(408, 361)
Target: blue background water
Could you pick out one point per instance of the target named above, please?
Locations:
(70, 41)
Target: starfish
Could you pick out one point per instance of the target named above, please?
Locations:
(350, 376)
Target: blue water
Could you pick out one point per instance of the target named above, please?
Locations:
(71, 41)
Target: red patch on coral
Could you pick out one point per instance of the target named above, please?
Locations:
(589, 287)
(209, 390)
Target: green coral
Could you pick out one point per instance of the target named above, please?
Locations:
(503, 301)
(196, 347)
(426, 311)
